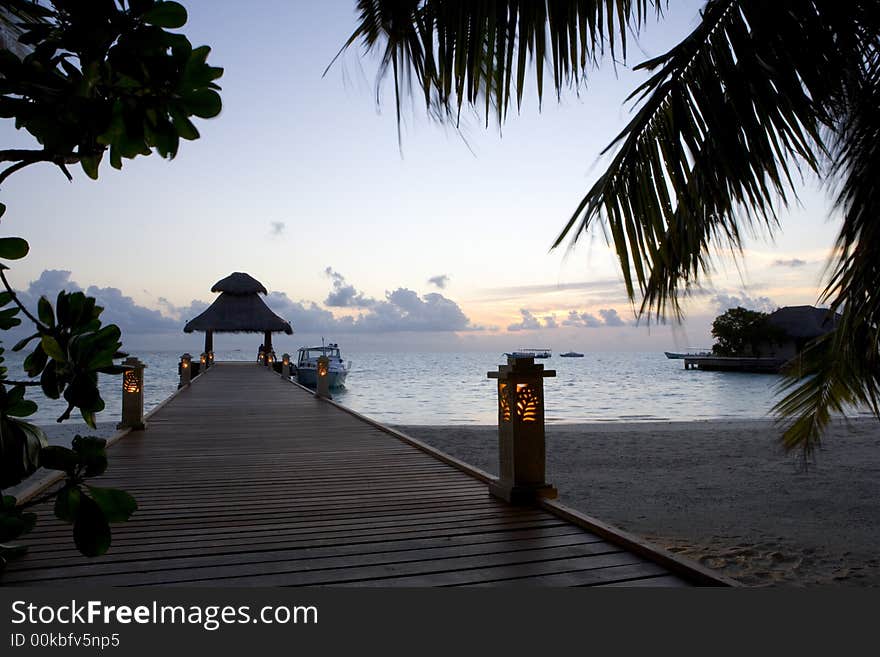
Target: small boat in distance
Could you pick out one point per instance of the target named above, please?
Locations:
(571, 354)
(542, 352)
(307, 365)
(689, 354)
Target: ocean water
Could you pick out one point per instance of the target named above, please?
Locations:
(452, 388)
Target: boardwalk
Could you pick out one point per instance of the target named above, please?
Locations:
(244, 479)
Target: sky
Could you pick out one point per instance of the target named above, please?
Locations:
(437, 243)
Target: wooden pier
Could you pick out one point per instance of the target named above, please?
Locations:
(734, 364)
(245, 479)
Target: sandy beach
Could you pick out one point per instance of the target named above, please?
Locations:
(720, 492)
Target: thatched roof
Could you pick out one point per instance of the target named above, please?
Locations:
(804, 321)
(239, 283)
(238, 309)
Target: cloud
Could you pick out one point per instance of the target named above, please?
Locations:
(611, 317)
(344, 295)
(405, 310)
(528, 322)
(306, 316)
(793, 263)
(610, 289)
(607, 317)
(531, 323)
(724, 302)
(183, 313)
(584, 320)
(49, 284)
(401, 310)
(118, 308)
(440, 281)
(277, 228)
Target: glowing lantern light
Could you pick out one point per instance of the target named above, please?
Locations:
(323, 383)
(185, 370)
(521, 439)
(132, 395)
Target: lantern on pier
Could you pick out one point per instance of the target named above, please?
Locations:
(132, 395)
(203, 362)
(521, 438)
(322, 386)
(185, 370)
(285, 365)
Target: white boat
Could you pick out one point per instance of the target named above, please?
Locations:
(307, 365)
(543, 352)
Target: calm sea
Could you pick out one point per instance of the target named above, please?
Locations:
(444, 388)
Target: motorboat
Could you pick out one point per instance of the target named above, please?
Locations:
(542, 352)
(307, 365)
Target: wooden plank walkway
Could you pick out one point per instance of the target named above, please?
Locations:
(244, 479)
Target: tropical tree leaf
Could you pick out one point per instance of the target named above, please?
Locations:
(20, 446)
(91, 531)
(67, 503)
(166, 14)
(13, 248)
(117, 505)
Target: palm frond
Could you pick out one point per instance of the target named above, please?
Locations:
(843, 370)
(478, 52)
(723, 124)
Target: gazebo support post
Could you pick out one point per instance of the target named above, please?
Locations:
(209, 341)
(267, 342)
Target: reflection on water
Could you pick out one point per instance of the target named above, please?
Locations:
(436, 388)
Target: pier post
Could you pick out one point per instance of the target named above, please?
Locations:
(521, 439)
(133, 395)
(185, 370)
(322, 385)
(285, 365)
(267, 342)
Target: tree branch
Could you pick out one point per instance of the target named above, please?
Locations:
(18, 303)
(25, 157)
(10, 170)
(31, 155)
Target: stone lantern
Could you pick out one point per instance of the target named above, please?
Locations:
(185, 370)
(521, 441)
(132, 395)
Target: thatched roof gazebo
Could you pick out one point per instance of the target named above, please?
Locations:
(804, 322)
(238, 309)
